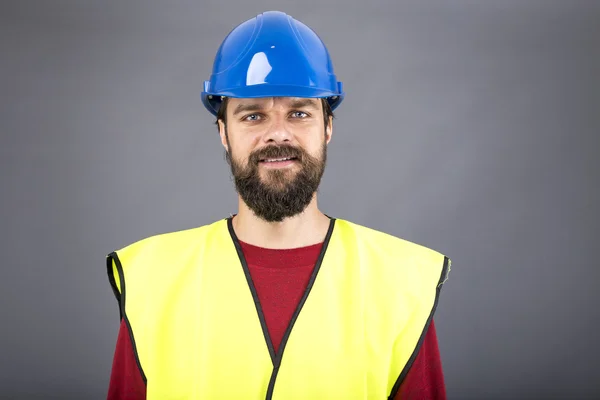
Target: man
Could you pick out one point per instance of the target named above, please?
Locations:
(279, 301)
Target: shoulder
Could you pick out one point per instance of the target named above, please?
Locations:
(387, 242)
(393, 257)
(169, 242)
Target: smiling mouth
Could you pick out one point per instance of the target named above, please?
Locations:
(277, 160)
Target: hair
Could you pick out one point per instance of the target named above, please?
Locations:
(327, 112)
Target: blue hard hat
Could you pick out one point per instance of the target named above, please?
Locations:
(272, 55)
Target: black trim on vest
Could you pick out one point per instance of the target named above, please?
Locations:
(121, 300)
(277, 358)
(261, 315)
(411, 360)
(113, 283)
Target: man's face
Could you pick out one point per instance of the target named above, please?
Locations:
(277, 150)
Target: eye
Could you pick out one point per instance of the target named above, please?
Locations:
(299, 114)
(251, 117)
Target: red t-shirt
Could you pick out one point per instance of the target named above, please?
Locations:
(280, 278)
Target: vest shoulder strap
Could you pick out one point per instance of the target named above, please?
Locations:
(419, 258)
(153, 252)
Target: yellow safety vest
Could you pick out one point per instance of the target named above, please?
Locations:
(198, 330)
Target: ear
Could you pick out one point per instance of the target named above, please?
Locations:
(329, 130)
(222, 134)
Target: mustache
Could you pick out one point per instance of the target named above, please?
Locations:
(283, 151)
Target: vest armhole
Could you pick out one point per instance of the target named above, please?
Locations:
(116, 277)
(411, 360)
(111, 270)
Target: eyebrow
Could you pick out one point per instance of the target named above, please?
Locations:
(246, 107)
(298, 103)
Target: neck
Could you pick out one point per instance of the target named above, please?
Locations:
(305, 229)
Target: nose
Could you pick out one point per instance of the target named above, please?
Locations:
(277, 131)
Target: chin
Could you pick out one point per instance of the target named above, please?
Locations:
(277, 183)
(276, 174)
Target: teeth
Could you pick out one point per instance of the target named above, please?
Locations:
(278, 159)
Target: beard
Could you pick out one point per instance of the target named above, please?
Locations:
(280, 193)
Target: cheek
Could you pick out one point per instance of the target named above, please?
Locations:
(243, 144)
(241, 157)
(314, 145)
(238, 146)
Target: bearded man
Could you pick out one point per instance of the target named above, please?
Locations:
(279, 300)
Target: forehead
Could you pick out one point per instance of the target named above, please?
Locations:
(237, 104)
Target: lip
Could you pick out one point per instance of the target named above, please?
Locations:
(278, 164)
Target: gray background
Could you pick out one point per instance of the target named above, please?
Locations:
(469, 126)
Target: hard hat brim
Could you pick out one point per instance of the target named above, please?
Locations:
(212, 100)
